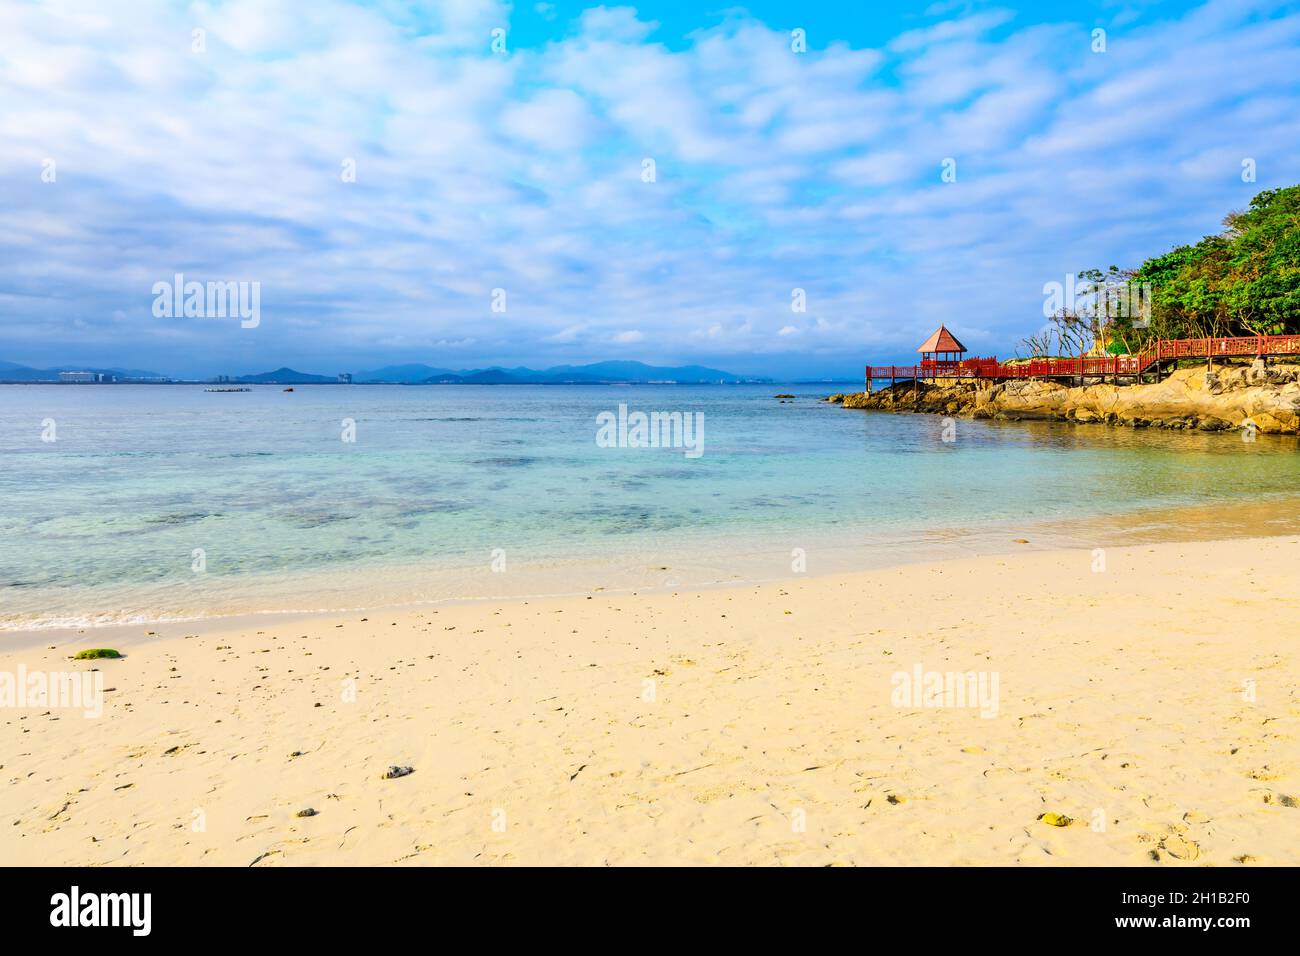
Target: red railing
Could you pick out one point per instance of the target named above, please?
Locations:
(1094, 366)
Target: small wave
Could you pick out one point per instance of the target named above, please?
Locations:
(507, 461)
(70, 622)
(303, 519)
(179, 517)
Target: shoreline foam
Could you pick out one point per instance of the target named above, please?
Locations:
(1274, 516)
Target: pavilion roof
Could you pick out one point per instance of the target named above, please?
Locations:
(942, 341)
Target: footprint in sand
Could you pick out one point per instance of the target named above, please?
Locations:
(1180, 849)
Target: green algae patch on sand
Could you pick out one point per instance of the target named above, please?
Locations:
(95, 653)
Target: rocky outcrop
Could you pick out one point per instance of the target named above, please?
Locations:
(1265, 397)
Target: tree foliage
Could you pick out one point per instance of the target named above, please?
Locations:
(1244, 281)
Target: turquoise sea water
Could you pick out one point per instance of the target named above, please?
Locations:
(469, 491)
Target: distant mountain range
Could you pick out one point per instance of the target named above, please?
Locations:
(284, 376)
(419, 374)
(597, 373)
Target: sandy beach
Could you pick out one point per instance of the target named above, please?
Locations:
(1148, 695)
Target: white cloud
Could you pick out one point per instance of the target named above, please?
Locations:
(620, 24)
(553, 119)
(876, 169)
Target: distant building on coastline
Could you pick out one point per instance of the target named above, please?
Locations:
(85, 377)
(345, 378)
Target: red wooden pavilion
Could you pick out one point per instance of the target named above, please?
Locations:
(942, 346)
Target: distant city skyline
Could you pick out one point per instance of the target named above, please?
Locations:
(772, 190)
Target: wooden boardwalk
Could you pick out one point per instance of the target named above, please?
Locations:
(1102, 367)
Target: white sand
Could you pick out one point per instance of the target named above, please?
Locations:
(768, 734)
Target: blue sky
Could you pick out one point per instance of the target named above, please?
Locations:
(128, 155)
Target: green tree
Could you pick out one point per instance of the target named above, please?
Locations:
(1244, 281)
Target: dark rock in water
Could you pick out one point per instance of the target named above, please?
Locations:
(1212, 424)
(309, 812)
(394, 772)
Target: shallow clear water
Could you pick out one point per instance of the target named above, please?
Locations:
(101, 525)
